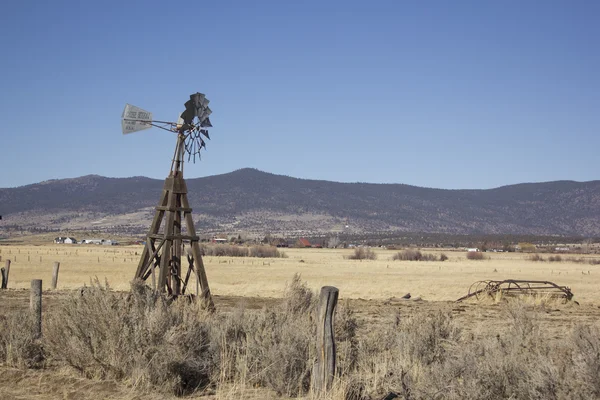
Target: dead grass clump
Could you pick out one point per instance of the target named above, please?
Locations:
(228, 250)
(266, 252)
(475, 255)
(137, 337)
(408, 255)
(272, 348)
(535, 257)
(443, 257)
(583, 260)
(363, 253)
(556, 258)
(416, 255)
(585, 356)
(298, 298)
(18, 348)
(224, 250)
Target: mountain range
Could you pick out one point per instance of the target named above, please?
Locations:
(252, 201)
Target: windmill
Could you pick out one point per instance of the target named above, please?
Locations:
(169, 245)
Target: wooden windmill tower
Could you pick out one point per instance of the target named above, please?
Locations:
(172, 243)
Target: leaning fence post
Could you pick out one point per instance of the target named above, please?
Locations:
(35, 305)
(324, 368)
(5, 272)
(55, 274)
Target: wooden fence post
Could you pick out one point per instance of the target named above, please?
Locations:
(55, 275)
(5, 272)
(324, 368)
(35, 305)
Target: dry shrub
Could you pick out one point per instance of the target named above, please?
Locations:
(363, 253)
(298, 298)
(138, 337)
(397, 356)
(227, 250)
(426, 356)
(443, 257)
(346, 337)
(224, 250)
(416, 255)
(535, 257)
(583, 260)
(271, 348)
(266, 252)
(586, 358)
(475, 255)
(18, 347)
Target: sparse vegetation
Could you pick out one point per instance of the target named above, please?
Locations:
(475, 255)
(416, 255)
(363, 253)
(228, 250)
(173, 346)
(535, 257)
(558, 258)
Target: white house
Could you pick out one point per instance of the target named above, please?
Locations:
(65, 239)
(92, 241)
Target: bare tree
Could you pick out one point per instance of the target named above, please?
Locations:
(333, 242)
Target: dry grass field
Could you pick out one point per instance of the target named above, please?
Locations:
(259, 344)
(255, 277)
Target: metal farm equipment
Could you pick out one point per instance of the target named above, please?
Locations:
(512, 287)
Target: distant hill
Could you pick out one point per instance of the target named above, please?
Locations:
(255, 201)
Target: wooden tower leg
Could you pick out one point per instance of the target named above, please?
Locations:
(165, 250)
(145, 259)
(197, 254)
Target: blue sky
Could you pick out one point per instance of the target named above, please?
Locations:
(446, 94)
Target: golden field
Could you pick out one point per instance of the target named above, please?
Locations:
(257, 277)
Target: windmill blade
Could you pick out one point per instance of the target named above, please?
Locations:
(205, 133)
(206, 123)
(196, 106)
(135, 119)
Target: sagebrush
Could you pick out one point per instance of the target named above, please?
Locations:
(155, 343)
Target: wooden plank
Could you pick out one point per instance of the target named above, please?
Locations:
(165, 259)
(324, 368)
(5, 272)
(177, 242)
(35, 305)
(153, 261)
(179, 185)
(175, 237)
(55, 275)
(158, 216)
(197, 254)
(182, 209)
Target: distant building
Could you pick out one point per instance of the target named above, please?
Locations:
(110, 242)
(219, 239)
(473, 249)
(92, 241)
(303, 242)
(65, 240)
(279, 242)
